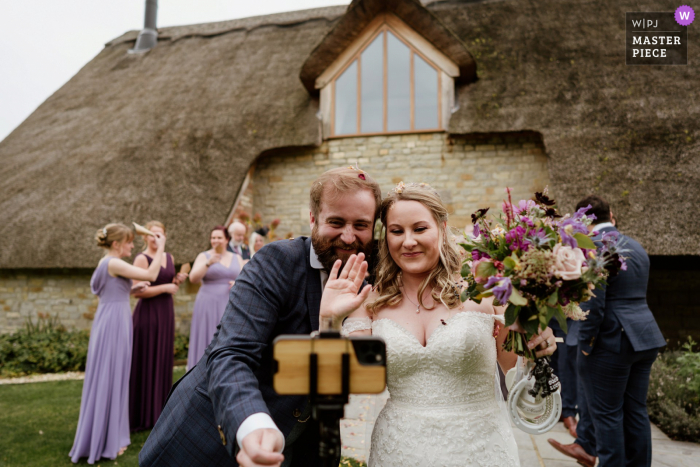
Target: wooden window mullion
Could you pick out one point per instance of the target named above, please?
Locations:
(385, 76)
(359, 92)
(412, 91)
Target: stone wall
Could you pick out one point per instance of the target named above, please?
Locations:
(66, 294)
(470, 172)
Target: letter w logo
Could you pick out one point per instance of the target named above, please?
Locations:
(685, 15)
(637, 23)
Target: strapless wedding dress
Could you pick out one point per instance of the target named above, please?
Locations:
(442, 409)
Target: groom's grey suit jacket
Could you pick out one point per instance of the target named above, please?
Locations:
(278, 292)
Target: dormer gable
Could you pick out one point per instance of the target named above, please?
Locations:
(387, 67)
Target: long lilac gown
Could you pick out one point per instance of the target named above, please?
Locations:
(209, 307)
(152, 359)
(103, 426)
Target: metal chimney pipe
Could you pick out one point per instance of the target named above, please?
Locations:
(148, 37)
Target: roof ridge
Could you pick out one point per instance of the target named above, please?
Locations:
(250, 23)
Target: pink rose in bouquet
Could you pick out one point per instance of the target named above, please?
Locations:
(567, 262)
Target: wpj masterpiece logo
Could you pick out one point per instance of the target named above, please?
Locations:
(658, 38)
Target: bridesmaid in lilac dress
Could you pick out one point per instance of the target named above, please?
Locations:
(217, 269)
(103, 425)
(154, 335)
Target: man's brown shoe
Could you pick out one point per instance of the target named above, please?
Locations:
(570, 424)
(575, 451)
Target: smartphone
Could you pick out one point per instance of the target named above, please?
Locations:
(291, 364)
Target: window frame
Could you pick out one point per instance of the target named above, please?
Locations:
(389, 23)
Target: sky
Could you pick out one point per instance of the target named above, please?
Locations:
(43, 43)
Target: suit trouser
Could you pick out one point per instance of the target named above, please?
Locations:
(564, 366)
(585, 431)
(616, 386)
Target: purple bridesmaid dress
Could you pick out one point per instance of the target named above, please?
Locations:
(209, 307)
(152, 360)
(103, 426)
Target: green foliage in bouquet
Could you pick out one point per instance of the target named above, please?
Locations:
(674, 393)
(42, 347)
(537, 263)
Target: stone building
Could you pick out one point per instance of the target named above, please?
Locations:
(239, 116)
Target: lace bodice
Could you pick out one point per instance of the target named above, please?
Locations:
(442, 409)
(456, 366)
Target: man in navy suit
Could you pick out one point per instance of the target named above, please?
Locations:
(225, 406)
(617, 345)
(237, 231)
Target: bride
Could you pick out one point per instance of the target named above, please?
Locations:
(443, 409)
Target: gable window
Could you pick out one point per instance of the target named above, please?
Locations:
(387, 86)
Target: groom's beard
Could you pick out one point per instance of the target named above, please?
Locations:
(325, 249)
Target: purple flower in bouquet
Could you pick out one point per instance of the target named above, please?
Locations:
(516, 239)
(581, 215)
(526, 220)
(501, 288)
(538, 237)
(524, 206)
(570, 226)
(477, 231)
(477, 255)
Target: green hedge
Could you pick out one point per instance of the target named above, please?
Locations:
(44, 347)
(182, 345)
(674, 393)
(48, 347)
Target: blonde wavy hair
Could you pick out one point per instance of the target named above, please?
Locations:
(441, 279)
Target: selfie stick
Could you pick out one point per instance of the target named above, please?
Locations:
(328, 409)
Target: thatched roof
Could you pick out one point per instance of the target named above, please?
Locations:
(170, 134)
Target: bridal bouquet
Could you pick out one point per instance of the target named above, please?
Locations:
(540, 264)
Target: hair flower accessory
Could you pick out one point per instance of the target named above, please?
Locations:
(398, 189)
(104, 231)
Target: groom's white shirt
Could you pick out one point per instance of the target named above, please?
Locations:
(262, 420)
(602, 225)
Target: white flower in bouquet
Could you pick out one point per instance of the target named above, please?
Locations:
(573, 311)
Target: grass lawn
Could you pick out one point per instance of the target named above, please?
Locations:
(38, 422)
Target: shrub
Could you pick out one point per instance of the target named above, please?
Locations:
(674, 393)
(182, 345)
(44, 347)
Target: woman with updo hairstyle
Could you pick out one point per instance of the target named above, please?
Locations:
(103, 425)
(154, 335)
(217, 270)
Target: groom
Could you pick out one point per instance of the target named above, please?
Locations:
(617, 345)
(225, 406)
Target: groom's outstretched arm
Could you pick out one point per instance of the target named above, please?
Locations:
(247, 326)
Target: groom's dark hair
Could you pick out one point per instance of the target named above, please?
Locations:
(599, 207)
(336, 182)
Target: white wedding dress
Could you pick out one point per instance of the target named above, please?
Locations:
(442, 409)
